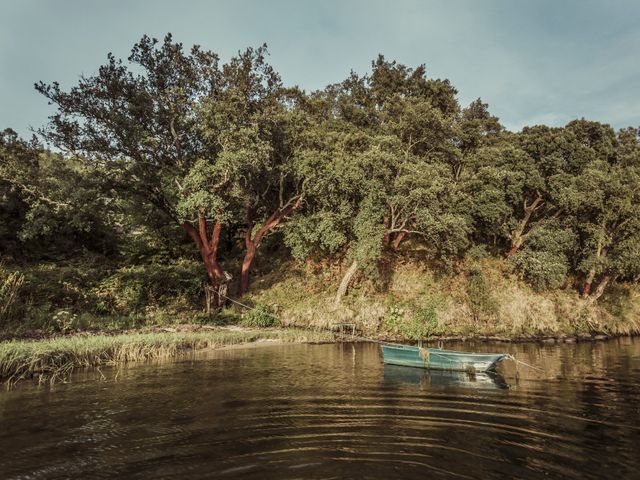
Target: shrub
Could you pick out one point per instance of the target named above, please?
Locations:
(260, 316)
(393, 319)
(64, 321)
(420, 326)
(542, 270)
(133, 289)
(543, 261)
(479, 296)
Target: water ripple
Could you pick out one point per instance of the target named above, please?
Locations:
(327, 412)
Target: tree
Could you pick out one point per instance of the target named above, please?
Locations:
(51, 203)
(257, 124)
(189, 138)
(142, 128)
(609, 225)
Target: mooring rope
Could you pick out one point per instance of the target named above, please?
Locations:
(511, 357)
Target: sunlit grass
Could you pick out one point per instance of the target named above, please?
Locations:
(53, 359)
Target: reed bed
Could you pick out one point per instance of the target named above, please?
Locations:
(55, 358)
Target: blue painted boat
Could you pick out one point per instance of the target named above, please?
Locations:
(438, 359)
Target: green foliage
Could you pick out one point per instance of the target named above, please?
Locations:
(425, 322)
(260, 316)
(543, 270)
(394, 318)
(419, 326)
(315, 234)
(134, 289)
(50, 203)
(543, 262)
(64, 321)
(163, 147)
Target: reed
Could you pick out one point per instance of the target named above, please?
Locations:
(53, 359)
(10, 283)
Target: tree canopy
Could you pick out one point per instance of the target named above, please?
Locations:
(387, 163)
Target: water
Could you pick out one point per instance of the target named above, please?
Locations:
(332, 411)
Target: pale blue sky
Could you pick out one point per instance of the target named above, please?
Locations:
(535, 61)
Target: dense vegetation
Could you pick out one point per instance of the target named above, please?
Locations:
(172, 168)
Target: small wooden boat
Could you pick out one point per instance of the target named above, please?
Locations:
(438, 359)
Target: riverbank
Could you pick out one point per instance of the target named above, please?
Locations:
(483, 300)
(53, 359)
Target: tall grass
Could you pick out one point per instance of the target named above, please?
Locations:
(53, 359)
(10, 283)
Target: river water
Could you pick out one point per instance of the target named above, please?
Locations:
(333, 411)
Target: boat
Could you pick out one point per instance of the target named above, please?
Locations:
(439, 359)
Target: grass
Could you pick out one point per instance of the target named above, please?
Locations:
(53, 359)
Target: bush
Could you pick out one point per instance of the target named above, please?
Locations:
(136, 288)
(543, 261)
(394, 318)
(64, 321)
(542, 270)
(260, 316)
(479, 296)
(420, 326)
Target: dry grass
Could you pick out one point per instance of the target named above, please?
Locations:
(506, 307)
(10, 283)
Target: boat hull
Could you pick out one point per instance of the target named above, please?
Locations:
(438, 359)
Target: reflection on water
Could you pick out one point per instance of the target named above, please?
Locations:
(430, 379)
(333, 411)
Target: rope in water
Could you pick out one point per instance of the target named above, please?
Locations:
(382, 342)
(511, 357)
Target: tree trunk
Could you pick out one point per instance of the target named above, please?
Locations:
(586, 289)
(398, 240)
(518, 236)
(208, 249)
(252, 244)
(386, 239)
(516, 243)
(601, 287)
(246, 267)
(344, 284)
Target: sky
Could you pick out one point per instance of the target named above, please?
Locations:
(533, 62)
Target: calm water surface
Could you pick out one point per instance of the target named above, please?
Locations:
(333, 411)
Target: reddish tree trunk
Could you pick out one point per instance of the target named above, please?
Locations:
(398, 240)
(246, 266)
(515, 246)
(252, 244)
(208, 249)
(386, 239)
